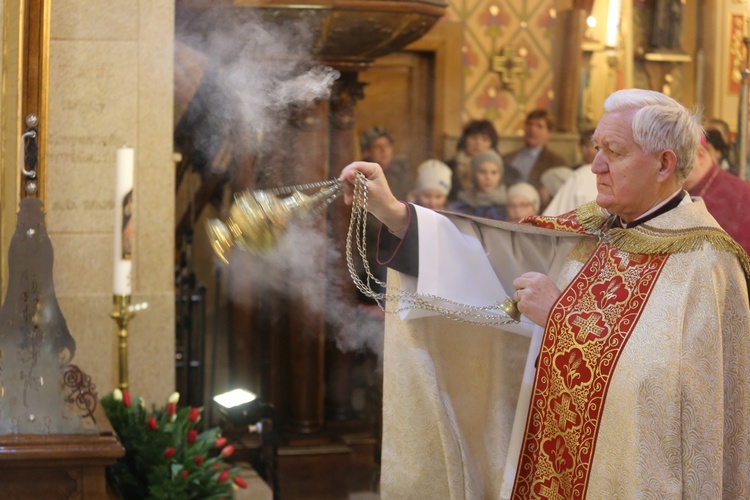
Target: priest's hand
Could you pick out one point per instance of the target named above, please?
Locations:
(380, 200)
(535, 295)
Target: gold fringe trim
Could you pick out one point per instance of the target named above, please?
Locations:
(592, 217)
(649, 240)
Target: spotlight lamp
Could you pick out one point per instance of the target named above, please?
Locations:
(242, 407)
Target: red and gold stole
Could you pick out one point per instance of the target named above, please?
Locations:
(586, 332)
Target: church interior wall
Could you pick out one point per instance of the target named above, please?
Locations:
(529, 26)
(723, 25)
(110, 85)
(490, 26)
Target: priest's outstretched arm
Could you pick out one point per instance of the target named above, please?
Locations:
(523, 270)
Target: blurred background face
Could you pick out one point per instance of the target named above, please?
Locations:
(432, 199)
(721, 127)
(703, 163)
(381, 152)
(536, 133)
(519, 207)
(487, 177)
(588, 152)
(477, 143)
(714, 153)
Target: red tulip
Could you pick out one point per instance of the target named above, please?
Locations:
(169, 453)
(223, 476)
(171, 407)
(221, 442)
(192, 435)
(240, 482)
(198, 460)
(126, 398)
(152, 424)
(184, 473)
(227, 451)
(195, 413)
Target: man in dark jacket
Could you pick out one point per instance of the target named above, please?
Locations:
(531, 161)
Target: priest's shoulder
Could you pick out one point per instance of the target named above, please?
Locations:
(530, 225)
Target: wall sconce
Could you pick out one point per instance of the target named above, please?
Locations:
(590, 25)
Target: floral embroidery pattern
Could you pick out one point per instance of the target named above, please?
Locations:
(573, 368)
(559, 453)
(586, 332)
(611, 292)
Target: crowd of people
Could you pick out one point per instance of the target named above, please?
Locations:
(535, 180)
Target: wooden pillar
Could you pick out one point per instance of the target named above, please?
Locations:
(307, 163)
(342, 305)
(245, 355)
(35, 85)
(571, 25)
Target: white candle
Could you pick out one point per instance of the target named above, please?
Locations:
(123, 255)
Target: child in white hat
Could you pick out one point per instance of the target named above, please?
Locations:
(433, 184)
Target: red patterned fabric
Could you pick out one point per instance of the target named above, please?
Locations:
(579, 353)
(565, 222)
(727, 198)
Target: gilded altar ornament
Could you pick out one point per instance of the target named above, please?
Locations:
(258, 219)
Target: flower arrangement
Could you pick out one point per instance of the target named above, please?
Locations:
(165, 454)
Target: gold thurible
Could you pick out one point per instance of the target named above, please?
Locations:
(258, 219)
(122, 315)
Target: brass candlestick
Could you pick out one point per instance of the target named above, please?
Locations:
(122, 314)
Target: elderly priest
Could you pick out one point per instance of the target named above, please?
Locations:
(628, 375)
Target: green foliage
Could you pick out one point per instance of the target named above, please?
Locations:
(159, 461)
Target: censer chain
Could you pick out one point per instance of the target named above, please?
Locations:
(479, 315)
(303, 187)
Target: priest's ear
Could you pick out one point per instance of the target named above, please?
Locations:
(667, 165)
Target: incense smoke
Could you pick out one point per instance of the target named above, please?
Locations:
(260, 71)
(252, 71)
(293, 268)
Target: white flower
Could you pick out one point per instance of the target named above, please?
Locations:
(141, 401)
(117, 394)
(174, 398)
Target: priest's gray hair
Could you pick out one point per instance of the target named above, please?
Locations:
(661, 123)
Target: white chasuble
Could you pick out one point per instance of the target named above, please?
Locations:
(668, 418)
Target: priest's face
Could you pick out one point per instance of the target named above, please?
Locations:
(627, 179)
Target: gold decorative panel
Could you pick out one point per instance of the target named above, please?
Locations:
(491, 27)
